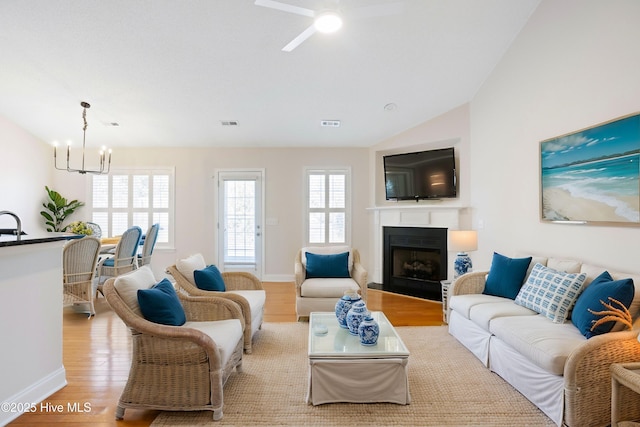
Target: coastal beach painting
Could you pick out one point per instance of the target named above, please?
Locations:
(593, 175)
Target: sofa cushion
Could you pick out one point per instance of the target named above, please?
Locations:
(506, 276)
(462, 304)
(566, 265)
(188, 265)
(256, 299)
(544, 343)
(127, 286)
(483, 314)
(225, 333)
(550, 292)
(160, 304)
(327, 266)
(209, 279)
(327, 288)
(600, 290)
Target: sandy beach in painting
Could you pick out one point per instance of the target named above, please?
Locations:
(560, 205)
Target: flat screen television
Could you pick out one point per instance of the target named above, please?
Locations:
(427, 174)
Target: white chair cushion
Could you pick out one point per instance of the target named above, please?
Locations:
(327, 288)
(127, 286)
(255, 298)
(566, 265)
(544, 343)
(327, 250)
(225, 333)
(187, 266)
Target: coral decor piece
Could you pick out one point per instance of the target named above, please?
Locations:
(612, 314)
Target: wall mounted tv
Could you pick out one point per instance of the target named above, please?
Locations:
(420, 175)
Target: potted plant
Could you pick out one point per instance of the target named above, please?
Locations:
(57, 210)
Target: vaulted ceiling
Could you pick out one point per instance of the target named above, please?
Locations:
(170, 72)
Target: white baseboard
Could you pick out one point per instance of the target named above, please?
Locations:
(279, 278)
(37, 392)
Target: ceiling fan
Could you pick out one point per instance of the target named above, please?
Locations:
(330, 19)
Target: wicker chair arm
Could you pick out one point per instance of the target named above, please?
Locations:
(241, 281)
(298, 272)
(209, 308)
(587, 376)
(469, 283)
(359, 274)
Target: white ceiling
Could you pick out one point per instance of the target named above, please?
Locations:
(169, 71)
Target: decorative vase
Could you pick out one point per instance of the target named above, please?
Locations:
(356, 313)
(462, 264)
(343, 305)
(369, 330)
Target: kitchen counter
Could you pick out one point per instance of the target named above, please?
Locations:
(29, 239)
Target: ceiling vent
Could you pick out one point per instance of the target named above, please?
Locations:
(229, 122)
(330, 123)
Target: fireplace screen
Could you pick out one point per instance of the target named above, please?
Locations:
(418, 264)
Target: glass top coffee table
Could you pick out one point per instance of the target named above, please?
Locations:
(343, 370)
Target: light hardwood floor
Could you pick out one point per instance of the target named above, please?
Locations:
(97, 355)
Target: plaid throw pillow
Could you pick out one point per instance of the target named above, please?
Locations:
(550, 292)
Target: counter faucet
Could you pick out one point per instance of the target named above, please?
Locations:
(18, 222)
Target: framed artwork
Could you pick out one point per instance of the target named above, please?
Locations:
(592, 176)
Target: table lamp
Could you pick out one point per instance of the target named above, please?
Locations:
(462, 241)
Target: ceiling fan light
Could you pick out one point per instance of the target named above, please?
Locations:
(328, 22)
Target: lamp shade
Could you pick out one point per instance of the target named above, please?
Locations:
(463, 240)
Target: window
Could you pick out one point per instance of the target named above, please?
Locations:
(327, 219)
(123, 199)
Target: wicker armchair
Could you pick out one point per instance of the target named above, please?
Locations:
(79, 259)
(244, 289)
(149, 243)
(124, 259)
(177, 368)
(321, 294)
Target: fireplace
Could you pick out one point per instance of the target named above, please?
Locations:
(414, 261)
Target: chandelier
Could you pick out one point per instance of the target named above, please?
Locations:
(103, 152)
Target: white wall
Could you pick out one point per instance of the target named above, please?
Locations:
(574, 65)
(196, 217)
(26, 169)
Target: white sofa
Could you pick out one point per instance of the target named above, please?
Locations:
(558, 369)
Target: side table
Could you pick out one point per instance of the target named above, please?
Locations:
(445, 305)
(628, 375)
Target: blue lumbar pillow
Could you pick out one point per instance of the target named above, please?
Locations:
(506, 276)
(209, 279)
(327, 266)
(600, 289)
(160, 304)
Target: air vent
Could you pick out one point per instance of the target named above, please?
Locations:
(229, 122)
(330, 123)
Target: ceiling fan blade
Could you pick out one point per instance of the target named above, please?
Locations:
(286, 7)
(377, 10)
(302, 37)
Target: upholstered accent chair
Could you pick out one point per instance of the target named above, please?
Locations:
(243, 288)
(323, 274)
(180, 367)
(79, 260)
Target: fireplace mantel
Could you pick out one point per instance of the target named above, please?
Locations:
(411, 215)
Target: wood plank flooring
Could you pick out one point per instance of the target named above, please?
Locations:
(97, 355)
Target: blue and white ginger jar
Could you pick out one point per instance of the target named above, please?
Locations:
(343, 305)
(356, 314)
(369, 330)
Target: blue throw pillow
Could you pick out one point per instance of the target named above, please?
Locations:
(160, 304)
(506, 276)
(209, 279)
(600, 289)
(327, 266)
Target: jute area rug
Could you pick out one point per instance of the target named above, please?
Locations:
(448, 386)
